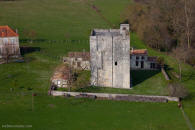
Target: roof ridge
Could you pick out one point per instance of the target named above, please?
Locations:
(9, 31)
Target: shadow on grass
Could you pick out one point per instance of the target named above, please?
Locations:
(138, 76)
(27, 49)
(90, 89)
(33, 40)
(190, 97)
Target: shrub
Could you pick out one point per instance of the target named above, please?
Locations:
(82, 81)
(177, 90)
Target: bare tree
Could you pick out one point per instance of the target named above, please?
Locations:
(188, 19)
(183, 22)
(180, 54)
(171, 22)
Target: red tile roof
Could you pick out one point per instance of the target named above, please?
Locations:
(6, 31)
(139, 51)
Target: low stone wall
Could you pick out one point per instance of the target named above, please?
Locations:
(120, 97)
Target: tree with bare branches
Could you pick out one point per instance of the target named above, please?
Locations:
(180, 55)
(188, 20)
(163, 24)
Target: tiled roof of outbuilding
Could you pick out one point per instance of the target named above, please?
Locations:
(6, 31)
(139, 51)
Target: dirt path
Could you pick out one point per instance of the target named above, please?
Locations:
(187, 119)
(98, 12)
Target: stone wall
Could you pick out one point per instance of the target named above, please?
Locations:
(77, 63)
(110, 60)
(60, 83)
(123, 97)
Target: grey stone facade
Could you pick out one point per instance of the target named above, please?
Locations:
(78, 60)
(140, 60)
(110, 59)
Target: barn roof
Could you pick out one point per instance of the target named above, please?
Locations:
(6, 31)
(139, 52)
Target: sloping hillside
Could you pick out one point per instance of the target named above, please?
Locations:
(54, 21)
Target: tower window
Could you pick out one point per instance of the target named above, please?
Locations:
(115, 63)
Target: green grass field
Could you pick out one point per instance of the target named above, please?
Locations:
(73, 19)
(60, 113)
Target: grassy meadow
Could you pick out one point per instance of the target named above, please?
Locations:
(72, 20)
(59, 113)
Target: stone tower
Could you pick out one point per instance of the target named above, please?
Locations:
(110, 57)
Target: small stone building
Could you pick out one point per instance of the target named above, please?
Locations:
(62, 76)
(139, 59)
(110, 59)
(78, 60)
(9, 42)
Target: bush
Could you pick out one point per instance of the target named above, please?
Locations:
(161, 61)
(177, 90)
(82, 81)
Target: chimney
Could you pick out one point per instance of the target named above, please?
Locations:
(124, 28)
(16, 30)
(131, 50)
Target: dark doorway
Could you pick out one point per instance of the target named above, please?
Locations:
(142, 64)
